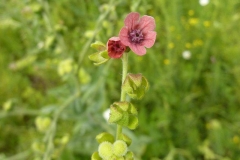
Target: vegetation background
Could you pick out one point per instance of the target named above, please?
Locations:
(51, 93)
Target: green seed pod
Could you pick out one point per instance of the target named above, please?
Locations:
(105, 150)
(120, 148)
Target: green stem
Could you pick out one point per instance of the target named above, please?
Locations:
(123, 94)
(124, 74)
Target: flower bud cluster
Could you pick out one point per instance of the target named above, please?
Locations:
(109, 149)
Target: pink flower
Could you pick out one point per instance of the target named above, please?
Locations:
(115, 47)
(138, 32)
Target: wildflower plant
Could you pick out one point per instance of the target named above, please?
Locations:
(136, 34)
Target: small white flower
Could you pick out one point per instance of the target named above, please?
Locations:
(40, 45)
(203, 2)
(106, 114)
(186, 54)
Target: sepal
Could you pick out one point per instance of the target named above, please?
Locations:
(101, 56)
(132, 122)
(95, 156)
(115, 114)
(135, 85)
(98, 46)
(129, 156)
(126, 139)
(102, 137)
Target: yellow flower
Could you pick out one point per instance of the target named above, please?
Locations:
(206, 24)
(166, 61)
(236, 139)
(188, 45)
(208, 125)
(89, 34)
(83, 76)
(65, 67)
(65, 139)
(197, 42)
(170, 45)
(178, 37)
(190, 12)
(38, 147)
(7, 105)
(42, 123)
(172, 28)
(193, 21)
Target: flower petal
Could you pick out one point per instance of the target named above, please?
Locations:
(147, 23)
(123, 35)
(139, 50)
(131, 20)
(114, 39)
(149, 39)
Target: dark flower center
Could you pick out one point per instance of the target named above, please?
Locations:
(136, 36)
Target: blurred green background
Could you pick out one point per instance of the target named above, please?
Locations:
(52, 97)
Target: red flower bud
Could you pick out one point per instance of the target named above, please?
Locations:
(115, 47)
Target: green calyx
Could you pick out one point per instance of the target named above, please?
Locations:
(129, 156)
(135, 85)
(133, 122)
(98, 46)
(95, 156)
(124, 114)
(104, 137)
(101, 56)
(126, 139)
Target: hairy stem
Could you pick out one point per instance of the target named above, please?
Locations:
(123, 94)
